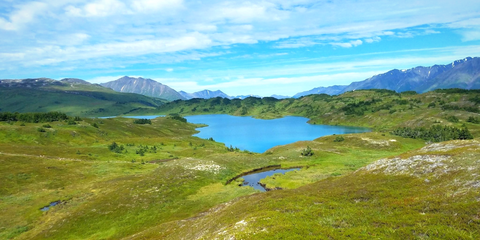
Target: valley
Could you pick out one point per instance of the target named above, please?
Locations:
(121, 178)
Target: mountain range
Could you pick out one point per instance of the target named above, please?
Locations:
(464, 73)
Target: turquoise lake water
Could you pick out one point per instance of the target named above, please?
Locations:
(257, 135)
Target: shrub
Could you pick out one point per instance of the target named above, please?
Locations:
(114, 147)
(142, 121)
(452, 119)
(475, 120)
(47, 126)
(307, 152)
(95, 125)
(177, 117)
(432, 105)
(41, 129)
(339, 139)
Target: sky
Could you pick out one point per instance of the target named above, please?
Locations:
(260, 47)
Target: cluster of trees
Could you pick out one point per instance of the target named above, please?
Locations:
(436, 133)
(232, 149)
(142, 121)
(177, 117)
(114, 147)
(34, 117)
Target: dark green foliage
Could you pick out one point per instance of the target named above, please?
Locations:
(358, 108)
(457, 90)
(46, 126)
(114, 147)
(452, 119)
(409, 93)
(466, 108)
(432, 105)
(339, 139)
(41, 129)
(33, 117)
(142, 121)
(475, 99)
(475, 120)
(71, 122)
(307, 152)
(231, 149)
(95, 125)
(211, 139)
(22, 124)
(400, 101)
(178, 117)
(77, 119)
(141, 152)
(435, 133)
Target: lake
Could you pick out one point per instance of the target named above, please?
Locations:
(258, 135)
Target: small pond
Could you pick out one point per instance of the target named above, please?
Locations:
(52, 204)
(253, 179)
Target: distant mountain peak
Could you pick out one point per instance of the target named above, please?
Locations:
(205, 94)
(144, 86)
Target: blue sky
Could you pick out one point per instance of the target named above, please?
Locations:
(260, 47)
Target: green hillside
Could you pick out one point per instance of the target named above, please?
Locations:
(79, 100)
(128, 179)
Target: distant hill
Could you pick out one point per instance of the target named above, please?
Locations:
(144, 86)
(332, 90)
(464, 74)
(244, 96)
(71, 96)
(205, 94)
(279, 96)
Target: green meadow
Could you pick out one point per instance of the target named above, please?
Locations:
(116, 179)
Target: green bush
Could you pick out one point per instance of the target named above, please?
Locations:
(47, 126)
(475, 120)
(41, 129)
(307, 152)
(142, 121)
(114, 147)
(339, 139)
(452, 119)
(177, 117)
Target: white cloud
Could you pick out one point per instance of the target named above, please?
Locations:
(23, 15)
(155, 5)
(100, 8)
(372, 40)
(350, 44)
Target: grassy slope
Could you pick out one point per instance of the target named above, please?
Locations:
(110, 195)
(431, 193)
(79, 100)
